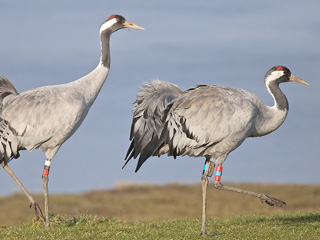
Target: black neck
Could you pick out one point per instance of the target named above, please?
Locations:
(279, 97)
(105, 49)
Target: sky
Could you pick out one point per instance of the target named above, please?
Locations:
(185, 42)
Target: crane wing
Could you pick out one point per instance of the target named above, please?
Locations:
(43, 117)
(207, 115)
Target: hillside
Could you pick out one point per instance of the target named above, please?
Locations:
(161, 202)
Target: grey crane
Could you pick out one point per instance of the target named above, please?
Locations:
(46, 117)
(209, 121)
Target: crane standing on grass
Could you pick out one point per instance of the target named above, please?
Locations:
(209, 121)
(46, 117)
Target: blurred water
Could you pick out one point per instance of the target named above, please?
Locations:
(187, 43)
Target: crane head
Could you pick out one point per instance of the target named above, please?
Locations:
(281, 74)
(116, 22)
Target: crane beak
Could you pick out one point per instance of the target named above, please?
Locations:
(128, 24)
(294, 78)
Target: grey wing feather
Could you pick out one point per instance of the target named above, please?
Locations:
(148, 116)
(8, 146)
(205, 116)
(41, 118)
(7, 91)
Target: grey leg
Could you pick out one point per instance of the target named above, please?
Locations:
(33, 203)
(204, 181)
(207, 172)
(272, 201)
(45, 180)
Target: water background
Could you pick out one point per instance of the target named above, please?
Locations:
(185, 42)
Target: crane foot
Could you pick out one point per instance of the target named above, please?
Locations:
(37, 210)
(203, 233)
(272, 201)
(47, 227)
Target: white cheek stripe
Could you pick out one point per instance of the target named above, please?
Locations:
(274, 75)
(108, 24)
(47, 163)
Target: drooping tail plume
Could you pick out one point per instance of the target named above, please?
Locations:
(8, 148)
(148, 116)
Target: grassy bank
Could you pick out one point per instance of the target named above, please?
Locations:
(167, 212)
(284, 226)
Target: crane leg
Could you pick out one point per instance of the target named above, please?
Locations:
(45, 180)
(33, 203)
(207, 172)
(204, 182)
(272, 201)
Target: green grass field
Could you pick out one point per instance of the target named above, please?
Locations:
(284, 226)
(167, 212)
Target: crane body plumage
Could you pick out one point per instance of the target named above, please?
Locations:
(46, 117)
(208, 120)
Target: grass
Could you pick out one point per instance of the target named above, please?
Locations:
(167, 212)
(288, 226)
